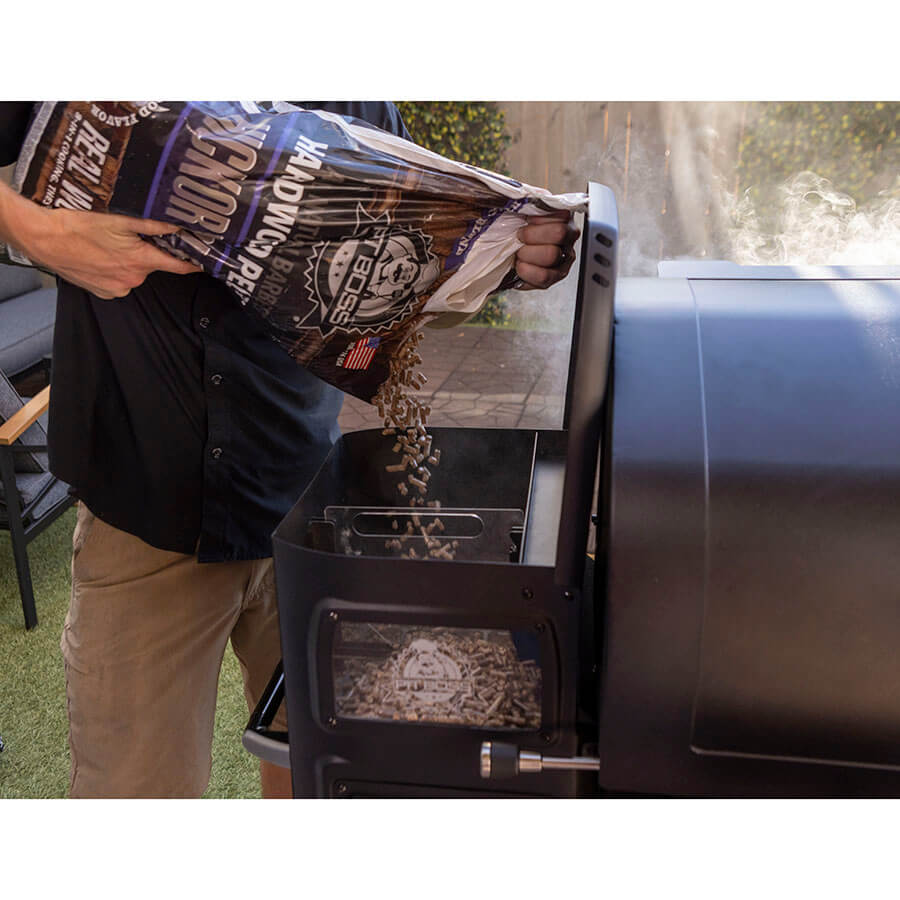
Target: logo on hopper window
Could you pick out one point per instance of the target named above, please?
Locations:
(426, 673)
(368, 282)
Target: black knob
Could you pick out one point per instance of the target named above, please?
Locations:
(503, 760)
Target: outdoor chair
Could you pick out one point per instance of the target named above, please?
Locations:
(31, 498)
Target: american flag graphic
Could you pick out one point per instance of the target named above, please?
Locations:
(361, 353)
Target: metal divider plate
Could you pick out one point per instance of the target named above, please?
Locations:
(485, 535)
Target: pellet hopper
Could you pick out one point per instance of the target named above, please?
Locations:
(732, 435)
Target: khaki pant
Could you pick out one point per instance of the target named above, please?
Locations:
(143, 645)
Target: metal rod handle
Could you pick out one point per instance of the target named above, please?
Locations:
(501, 760)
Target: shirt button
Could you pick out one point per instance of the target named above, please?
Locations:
(204, 322)
(216, 379)
(216, 452)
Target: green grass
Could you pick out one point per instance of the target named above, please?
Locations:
(35, 763)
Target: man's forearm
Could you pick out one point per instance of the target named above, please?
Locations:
(23, 224)
(100, 252)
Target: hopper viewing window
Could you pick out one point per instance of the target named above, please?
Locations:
(479, 677)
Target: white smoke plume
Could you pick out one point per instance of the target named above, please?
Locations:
(817, 225)
(674, 170)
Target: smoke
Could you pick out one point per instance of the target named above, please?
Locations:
(632, 166)
(674, 168)
(816, 225)
(628, 165)
(668, 165)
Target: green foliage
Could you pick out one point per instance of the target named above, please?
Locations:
(494, 312)
(853, 145)
(473, 133)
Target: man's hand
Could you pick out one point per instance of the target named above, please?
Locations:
(547, 254)
(99, 252)
(104, 253)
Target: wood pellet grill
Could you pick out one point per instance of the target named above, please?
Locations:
(738, 633)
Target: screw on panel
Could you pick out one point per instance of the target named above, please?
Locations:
(546, 737)
(539, 627)
(569, 595)
(333, 616)
(332, 722)
(341, 787)
(528, 593)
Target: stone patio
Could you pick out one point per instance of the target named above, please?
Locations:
(485, 378)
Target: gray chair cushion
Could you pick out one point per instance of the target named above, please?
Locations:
(10, 403)
(29, 486)
(58, 492)
(26, 330)
(15, 280)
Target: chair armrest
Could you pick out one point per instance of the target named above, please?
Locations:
(24, 418)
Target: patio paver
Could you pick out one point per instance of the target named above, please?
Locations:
(485, 378)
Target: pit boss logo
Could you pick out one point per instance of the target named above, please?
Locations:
(428, 674)
(368, 282)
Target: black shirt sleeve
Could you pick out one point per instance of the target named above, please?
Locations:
(14, 118)
(395, 122)
(382, 115)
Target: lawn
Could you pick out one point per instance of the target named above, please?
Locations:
(35, 762)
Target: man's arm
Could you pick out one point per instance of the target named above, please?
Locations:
(100, 252)
(546, 256)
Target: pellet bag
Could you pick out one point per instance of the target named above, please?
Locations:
(343, 238)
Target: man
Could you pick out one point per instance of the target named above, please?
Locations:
(186, 433)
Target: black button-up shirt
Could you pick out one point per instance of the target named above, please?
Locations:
(173, 415)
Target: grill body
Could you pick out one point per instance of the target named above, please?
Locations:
(738, 635)
(751, 588)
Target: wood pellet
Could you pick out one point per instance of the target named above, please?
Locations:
(496, 689)
(405, 419)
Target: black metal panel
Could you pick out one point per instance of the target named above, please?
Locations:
(319, 590)
(752, 502)
(480, 468)
(315, 587)
(650, 601)
(588, 371)
(344, 789)
(802, 626)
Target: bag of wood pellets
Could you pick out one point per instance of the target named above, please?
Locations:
(344, 238)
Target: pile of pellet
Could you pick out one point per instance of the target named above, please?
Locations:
(496, 688)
